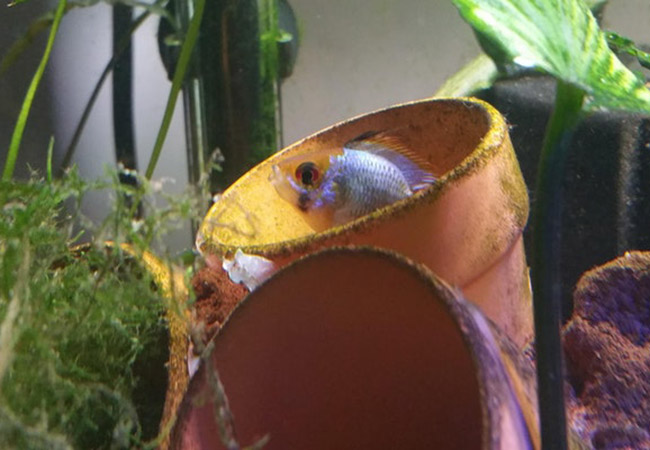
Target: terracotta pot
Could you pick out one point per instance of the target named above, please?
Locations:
(466, 228)
(360, 348)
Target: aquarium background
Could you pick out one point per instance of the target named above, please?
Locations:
(354, 56)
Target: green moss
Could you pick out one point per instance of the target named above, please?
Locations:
(83, 340)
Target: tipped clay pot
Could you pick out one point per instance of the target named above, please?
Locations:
(466, 228)
(359, 348)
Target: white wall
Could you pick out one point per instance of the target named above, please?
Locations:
(360, 55)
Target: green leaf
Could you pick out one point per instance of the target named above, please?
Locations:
(17, 48)
(478, 74)
(177, 83)
(561, 38)
(17, 135)
(619, 44)
(50, 150)
(35, 28)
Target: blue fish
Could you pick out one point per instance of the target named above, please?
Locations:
(334, 186)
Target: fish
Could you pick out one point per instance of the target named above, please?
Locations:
(334, 186)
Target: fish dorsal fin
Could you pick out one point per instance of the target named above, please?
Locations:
(417, 170)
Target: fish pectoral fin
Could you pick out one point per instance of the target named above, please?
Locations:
(342, 215)
(320, 219)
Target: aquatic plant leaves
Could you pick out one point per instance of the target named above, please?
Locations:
(88, 339)
(17, 134)
(619, 43)
(561, 38)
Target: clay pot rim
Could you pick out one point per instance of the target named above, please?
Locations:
(490, 143)
(454, 303)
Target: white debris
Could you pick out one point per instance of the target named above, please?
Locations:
(193, 361)
(251, 270)
(198, 243)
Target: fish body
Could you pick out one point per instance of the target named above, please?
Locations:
(332, 187)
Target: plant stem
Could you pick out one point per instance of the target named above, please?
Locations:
(50, 152)
(9, 324)
(547, 218)
(17, 135)
(177, 83)
(479, 73)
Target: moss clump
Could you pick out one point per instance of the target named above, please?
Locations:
(83, 340)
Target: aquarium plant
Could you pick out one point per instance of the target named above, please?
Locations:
(94, 319)
(84, 327)
(85, 308)
(560, 38)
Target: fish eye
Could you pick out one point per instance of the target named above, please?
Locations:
(307, 173)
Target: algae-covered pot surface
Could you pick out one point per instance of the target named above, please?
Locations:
(466, 227)
(358, 348)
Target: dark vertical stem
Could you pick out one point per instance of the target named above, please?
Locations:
(547, 214)
(118, 48)
(123, 96)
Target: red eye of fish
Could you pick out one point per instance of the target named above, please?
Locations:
(307, 173)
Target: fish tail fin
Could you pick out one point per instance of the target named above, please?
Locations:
(421, 181)
(416, 169)
(418, 179)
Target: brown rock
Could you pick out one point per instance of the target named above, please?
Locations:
(607, 348)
